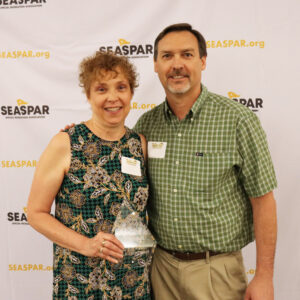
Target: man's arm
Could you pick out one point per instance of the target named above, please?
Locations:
(265, 227)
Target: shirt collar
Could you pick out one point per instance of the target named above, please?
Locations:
(196, 106)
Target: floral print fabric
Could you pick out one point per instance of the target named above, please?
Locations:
(89, 200)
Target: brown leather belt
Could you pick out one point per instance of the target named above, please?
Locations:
(189, 255)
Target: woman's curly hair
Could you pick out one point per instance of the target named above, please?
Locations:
(95, 66)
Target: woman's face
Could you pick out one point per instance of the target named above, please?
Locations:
(110, 98)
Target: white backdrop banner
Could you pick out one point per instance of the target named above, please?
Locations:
(253, 58)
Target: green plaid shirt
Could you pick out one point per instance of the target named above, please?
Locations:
(216, 158)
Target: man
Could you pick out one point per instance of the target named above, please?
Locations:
(211, 181)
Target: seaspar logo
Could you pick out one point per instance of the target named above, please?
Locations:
(235, 44)
(7, 4)
(144, 106)
(15, 54)
(18, 217)
(128, 49)
(18, 164)
(29, 267)
(255, 104)
(24, 111)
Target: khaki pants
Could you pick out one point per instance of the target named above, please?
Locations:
(220, 277)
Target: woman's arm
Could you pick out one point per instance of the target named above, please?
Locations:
(51, 168)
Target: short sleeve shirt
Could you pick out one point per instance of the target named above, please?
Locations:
(215, 160)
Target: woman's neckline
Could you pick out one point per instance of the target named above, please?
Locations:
(101, 138)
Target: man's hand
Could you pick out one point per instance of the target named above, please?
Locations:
(260, 288)
(67, 127)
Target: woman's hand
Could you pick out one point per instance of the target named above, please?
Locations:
(106, 246)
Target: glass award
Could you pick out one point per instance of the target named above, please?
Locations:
(130, 230)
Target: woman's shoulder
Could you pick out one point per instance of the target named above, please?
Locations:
(75, 128)
(62, 139)
(137, 136)
(78, 133)
(60, 142)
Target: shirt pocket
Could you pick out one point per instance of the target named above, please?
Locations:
(209, 171)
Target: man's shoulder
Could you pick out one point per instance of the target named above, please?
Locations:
(154, 113)
(149, 118)
(226, 104)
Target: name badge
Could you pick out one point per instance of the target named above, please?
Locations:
(131, 166)
(157, 149)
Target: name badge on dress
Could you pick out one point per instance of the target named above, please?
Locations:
(131, 166)
(157, 149)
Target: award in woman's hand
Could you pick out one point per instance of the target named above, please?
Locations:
(131, 231)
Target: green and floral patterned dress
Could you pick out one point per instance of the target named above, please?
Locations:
(88, 202)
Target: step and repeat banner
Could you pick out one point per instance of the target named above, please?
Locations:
(253, 58)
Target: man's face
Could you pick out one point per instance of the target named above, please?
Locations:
(178, 63)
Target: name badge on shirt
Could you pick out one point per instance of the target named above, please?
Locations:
(131, 166)
(157, 149)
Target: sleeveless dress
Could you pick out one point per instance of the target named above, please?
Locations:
(89, 201)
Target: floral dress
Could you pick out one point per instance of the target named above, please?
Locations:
(89, 201)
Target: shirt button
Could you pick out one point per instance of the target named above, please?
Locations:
(175, 219)
(177, 162)
(175, 190)
(179, 134)
(179, 246)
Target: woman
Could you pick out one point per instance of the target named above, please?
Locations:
(92, 170)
